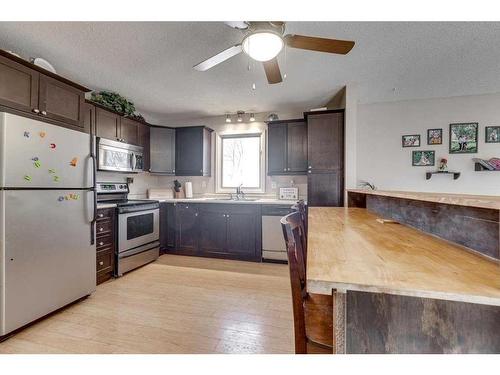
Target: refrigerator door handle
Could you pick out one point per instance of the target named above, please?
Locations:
(94, 201)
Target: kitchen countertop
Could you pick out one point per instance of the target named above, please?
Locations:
(349, 250)
(226, 201)
(481, 201)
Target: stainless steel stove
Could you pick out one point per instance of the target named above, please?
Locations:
(138, 226)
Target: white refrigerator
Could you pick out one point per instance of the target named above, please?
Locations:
(47, 219)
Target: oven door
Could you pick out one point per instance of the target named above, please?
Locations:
(138, 228)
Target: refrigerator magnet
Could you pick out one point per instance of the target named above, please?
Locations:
(52, 171)
(42, 134)
(27, 178)
(56, 178)
(73, 162)
(37, 164)
(60, 199)
(52, 145)
(26, 134)
(35, 158)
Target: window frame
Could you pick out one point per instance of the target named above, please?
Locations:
(219, 162)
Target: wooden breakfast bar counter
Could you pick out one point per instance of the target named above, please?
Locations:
(399, 290)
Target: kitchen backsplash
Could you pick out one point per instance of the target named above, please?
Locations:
(201, 185)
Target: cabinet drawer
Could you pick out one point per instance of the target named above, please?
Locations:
(103, 228)
(104, 241)
(105, 213)
(104, 260)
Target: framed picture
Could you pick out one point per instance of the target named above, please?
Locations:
(434, 136)
(412, 140)
(492, 134)
(463, 138)
(423, 158)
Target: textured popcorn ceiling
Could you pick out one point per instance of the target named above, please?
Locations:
(151, 63)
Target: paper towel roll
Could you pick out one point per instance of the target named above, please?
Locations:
(188, 189)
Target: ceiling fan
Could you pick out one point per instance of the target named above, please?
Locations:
(263, 41)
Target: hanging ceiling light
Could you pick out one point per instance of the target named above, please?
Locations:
(228, 118)
(252, 117)
(263, 45)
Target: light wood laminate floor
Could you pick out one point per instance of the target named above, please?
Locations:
(174, 305)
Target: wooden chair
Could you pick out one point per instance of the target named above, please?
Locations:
(312, 313)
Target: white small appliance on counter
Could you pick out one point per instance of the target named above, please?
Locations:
(188, 189)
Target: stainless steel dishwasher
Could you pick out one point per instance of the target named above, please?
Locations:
(273, 243)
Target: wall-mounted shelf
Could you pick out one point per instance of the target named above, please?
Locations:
(478, 167)
(428, 175)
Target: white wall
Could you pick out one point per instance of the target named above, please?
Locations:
(382, 160)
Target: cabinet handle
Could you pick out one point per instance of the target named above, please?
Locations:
(36, 110)
(227, 215)
(284, 169)
(101, 243)
(101, 229)
(201, 170)
(309, 172)
(196, 214)
(101, 263)
(310, 167)
(173, 170)
(44, 113)
(101, 215)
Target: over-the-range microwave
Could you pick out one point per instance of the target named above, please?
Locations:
(118, 156)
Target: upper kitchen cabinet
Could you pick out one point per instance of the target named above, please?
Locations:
(60, 101)
(162, 146)
(325, 138)
(287, 147)
(107, 124)
(144, 141)
(111, 125)
(18, 86)
(193, 151)
(129, 131)
(325, 178)
(44, 95)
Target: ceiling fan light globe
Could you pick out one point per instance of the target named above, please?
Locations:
(263, 45)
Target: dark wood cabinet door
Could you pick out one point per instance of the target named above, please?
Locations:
(144, 142)
(297, 147)
(244, 232)
(277, 149)
(189, 151)
(163, 225)
(129, 131)
(60, 101)
(107, 124)
(325, 137)
(212, 230)
(325, 189)
(89, 118)
(186, 228)
(18, 86)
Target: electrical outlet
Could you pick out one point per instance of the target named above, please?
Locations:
(273, 185)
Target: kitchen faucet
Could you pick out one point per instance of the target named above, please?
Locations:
(239, 193)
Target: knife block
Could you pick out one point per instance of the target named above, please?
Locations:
(179, 194)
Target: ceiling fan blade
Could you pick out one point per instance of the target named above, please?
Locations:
(318, 44)
(272, 70)
(220, 57)
(240, 25)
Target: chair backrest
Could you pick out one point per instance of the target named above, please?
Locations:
(293, 232)
(300, 207)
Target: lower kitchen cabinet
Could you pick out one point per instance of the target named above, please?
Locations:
(231, 231)
(105, 244)
(186, 228)
(167, 226)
